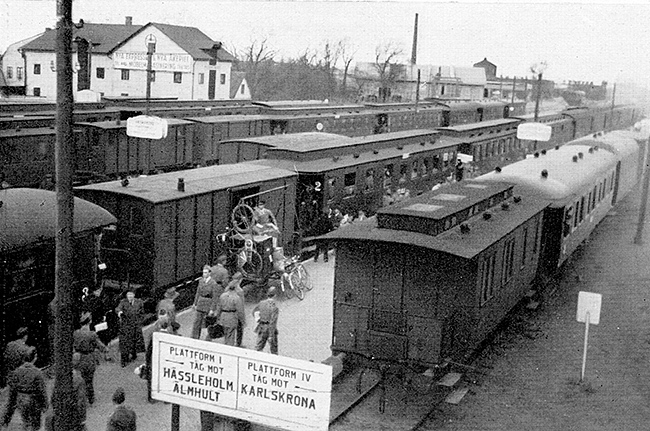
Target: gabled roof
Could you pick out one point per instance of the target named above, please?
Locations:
(104, 37)
(191, 39)
(236, 79)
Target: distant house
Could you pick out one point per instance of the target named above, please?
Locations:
(239, 88)
(111, 60)
(12, 68)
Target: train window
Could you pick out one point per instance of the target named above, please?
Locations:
(350, 182)
(524, 248)
(402, 174)
(388, 175)
(576, 214)
(426, 167)
(611, 183)
(582, 209)
(537, 228)
(414, 169)
(370, 180)
(508, 261)
(445, 159)
(568, 221)
(589, 207)
(486, 271)
(436, 163)
(593, 198)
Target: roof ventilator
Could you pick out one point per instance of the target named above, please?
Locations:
(375, 151)
(544, 173)
(581, 155)
(497, 169)
(464, 228)
(536, 154)
(575, 159)
(543, 152)
(517, 199)
(505, 206)
(181, 184)
(487, 215)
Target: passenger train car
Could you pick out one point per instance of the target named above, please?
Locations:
(428, 279)
(27, 252)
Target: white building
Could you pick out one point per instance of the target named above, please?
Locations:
(12, 68)
(112, 59)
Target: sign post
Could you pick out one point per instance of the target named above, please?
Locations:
(588, 312)
(254, 386)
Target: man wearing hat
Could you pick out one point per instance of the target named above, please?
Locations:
(123, 418)
(267, 325)
(236, 282)
(220, 272)
(130, 312)
(207, 293)
(230, 313)
(86, 342)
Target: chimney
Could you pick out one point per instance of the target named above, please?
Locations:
(128, 20)
(414, 52)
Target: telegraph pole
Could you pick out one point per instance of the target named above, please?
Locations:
(63, 399)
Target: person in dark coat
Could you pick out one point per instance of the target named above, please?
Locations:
(81, 405)
(322, 226)
(460, 170)
(230, 313)
(220, 273)
(130, 312)
(27, 392)
(166, 305)
(16, 352)
(86, 343)
(267, 325)
(123, 418)
(207, 293)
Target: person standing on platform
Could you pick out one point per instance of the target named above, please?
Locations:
(27, 393)
(207, 293)
(230, 313)
(166, 305)
(220, 272)
(267, 325)
(322, 226)
(163, 324)
(86, 343)
(130, 311)
(123, 418)
(15, 353)
(79, 390)
(236, 281)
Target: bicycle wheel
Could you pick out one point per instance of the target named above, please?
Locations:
(253, 265)
(305, 279)
(243, 218)
(286, 286)
(296, 283)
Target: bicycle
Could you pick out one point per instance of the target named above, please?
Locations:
(294, 278)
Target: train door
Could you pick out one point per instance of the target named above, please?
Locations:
(387, 321)
(212, 81)
(236, 196)
(381, 124)
(480, 112)
(616, 183)
(310, 196)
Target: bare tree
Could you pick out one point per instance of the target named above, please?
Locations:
(387, 67)
(252, 58)
(347, 52)
(330, 57)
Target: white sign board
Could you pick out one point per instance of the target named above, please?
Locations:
(589, 303)
(272, 390)
(534, 132)
(148, 127)
(159, 61)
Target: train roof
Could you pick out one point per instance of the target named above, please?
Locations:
(463, 128)
(441, 204)
(313, 139)
(233, 118)
(164, 187)
(566, 177)
(326, 164)
(122, 123)
(620, 142)
(28, 216)
(27, 131)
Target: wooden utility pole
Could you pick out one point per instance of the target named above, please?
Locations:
(64, 399)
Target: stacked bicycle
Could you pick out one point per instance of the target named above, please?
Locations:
(259, 260)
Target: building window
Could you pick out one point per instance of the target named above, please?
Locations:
(178, 77)
(153, 75)
(100, 73)
(37, 91)
(243, 87)
(37, 69)
(19, 73)
(125, 74)
(222, 78)
(10, 72)
(213, 62)
(201, 78)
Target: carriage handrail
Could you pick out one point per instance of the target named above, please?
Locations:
(263, 192)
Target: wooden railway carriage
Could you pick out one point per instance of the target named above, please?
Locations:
(169, 224)
(211, 131)
(361, 175)
(491, 143)
(104, 149)
(427, 279)
(27, 155)
(562, 130)
(579, 181)
(28, 220)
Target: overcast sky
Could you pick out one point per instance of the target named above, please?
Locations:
(579, 41)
